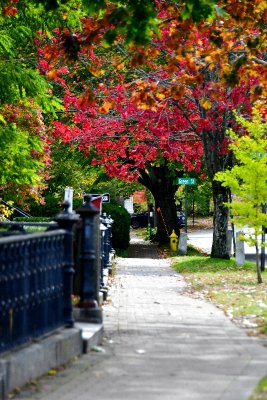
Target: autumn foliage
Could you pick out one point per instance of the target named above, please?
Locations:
(139, 109)
(134, 104)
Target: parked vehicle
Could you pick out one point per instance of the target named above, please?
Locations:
(181, 219)
(140, 220)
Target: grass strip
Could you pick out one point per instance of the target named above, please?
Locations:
(232, 288)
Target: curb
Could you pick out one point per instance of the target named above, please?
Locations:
(92, 335)
(19, 367)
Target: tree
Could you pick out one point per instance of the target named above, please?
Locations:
(24, 151)
(220, 66)
(204, 70)
(135, 144)
(247, 180)
(24, 95)
(134, 19)
(68, 168)
(132, 142)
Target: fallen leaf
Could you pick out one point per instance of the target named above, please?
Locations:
(98, 349)
(52, 372)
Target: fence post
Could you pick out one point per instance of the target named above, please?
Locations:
(108, 221)
(90, 263)
(103, 232)
(66, 220)
(106, 241)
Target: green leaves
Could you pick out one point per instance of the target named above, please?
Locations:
(135, 19)
(17, 165)
(247, 179)
(6, 44)
(17, 81)
(199, 9)
(94, 6)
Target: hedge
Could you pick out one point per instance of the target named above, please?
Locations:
(120, 226)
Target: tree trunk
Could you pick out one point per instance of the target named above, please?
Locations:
(220, 221)
(217, 160)
(166, 216)
(162, 186)
(258, 267)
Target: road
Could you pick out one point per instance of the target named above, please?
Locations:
(203, 240)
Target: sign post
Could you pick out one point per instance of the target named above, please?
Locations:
(99, 199)
(104, 197)
(186, 181)
(68, 196)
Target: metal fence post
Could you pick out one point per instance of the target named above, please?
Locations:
(108, 221)
(106, 241)
(66, 221)
(90, 263)
(111, 250)
(103, 231)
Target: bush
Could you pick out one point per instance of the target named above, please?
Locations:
(120, 226)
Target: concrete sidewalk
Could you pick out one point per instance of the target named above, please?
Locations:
(159, 344)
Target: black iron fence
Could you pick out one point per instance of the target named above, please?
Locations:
(31, 286)
(37, 271)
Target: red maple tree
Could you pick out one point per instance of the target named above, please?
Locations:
(155, 104)
(153, 146)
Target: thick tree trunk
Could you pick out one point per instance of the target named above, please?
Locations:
(166, 216)
(220, 221)
(161, 184)
(216, 161)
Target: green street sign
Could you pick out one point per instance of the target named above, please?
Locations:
(186, 181)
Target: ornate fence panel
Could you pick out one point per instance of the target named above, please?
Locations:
(31, 286)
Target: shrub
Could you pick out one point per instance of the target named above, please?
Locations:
(32, 219)
(120, 226)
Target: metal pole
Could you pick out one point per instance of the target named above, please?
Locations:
(90, 262)
(186, 201)
(66, 220)
(193, 207)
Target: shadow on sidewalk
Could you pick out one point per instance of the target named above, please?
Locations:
(140, 248)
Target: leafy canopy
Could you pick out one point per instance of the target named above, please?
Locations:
(24, 95)
(248, 180)
(136, 20)
(24, 150)
(248, 177)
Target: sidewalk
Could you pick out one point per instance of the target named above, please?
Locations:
(159, 344)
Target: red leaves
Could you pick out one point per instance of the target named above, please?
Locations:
(9, 11)
(87, 99)
(126, 139)
(62, 70)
